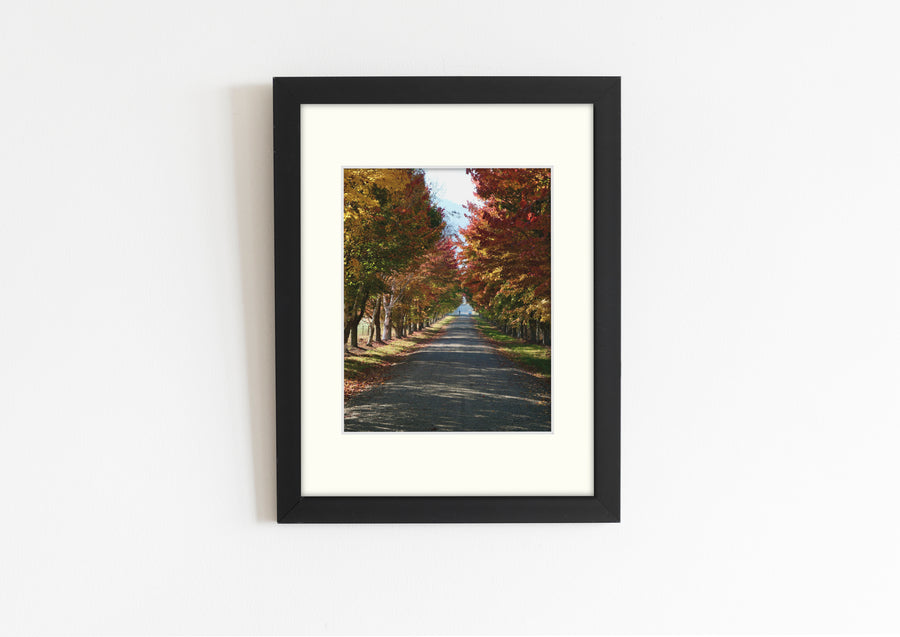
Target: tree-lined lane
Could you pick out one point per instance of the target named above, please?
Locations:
(458, 382)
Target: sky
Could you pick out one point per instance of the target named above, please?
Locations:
(452, 184)
(453, 188)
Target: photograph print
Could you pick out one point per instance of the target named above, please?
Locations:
(446, 299)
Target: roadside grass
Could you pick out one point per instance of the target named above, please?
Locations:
(530, 356)
(364, 367)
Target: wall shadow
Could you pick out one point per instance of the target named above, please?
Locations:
(251, 127)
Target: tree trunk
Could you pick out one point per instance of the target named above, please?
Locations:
(387, 320)
(348, 317)
(354, 331)
(375, 328)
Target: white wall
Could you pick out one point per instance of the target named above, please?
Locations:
(761, 216)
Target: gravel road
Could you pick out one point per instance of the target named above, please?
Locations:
(457, 382)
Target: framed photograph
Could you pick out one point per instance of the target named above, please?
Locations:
(456, 231)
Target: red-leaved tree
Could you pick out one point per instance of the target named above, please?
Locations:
(505, 249)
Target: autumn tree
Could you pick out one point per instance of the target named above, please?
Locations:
(434, 287)
(505, 249)
(390, 222)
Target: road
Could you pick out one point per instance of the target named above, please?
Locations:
(457, 382)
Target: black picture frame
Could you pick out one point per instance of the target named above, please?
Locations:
(604, 93)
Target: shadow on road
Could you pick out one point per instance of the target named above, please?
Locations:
(456, 383)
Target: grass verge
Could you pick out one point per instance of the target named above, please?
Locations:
(365, 367)
(531, 357)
